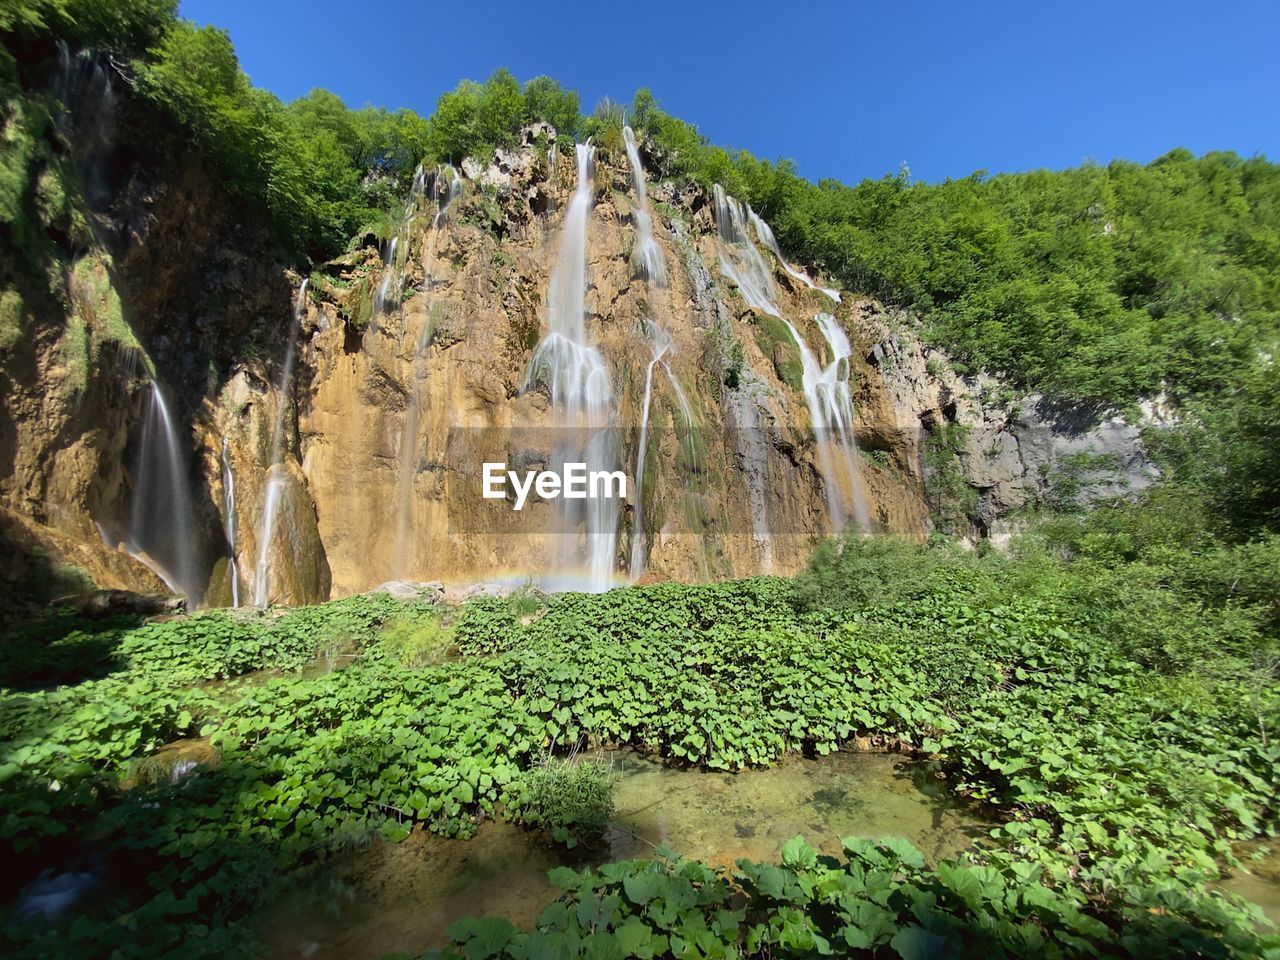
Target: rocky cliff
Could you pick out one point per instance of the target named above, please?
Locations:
(181, 401)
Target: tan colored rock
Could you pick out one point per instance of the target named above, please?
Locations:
(385, 427)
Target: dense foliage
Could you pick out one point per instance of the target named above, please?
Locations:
(881, 897)
(1123, 769)
(1100, 283)
(1107, 690)
(322, 172)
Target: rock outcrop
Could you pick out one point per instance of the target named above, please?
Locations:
(413, 372)
(1003, 453)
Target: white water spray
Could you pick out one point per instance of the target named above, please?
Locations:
(276, 474)
(659, 344)
(826, 389)
(446, 194)
(647, 260)
(740, 260)
(765, 233)
(230, 523)
(578, 379)
(826, 393)
(387, 299)
(162, 522)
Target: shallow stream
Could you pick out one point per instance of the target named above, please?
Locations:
(402, 897)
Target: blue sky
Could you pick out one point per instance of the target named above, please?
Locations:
(847, 90)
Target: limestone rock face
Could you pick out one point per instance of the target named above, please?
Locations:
(393, 426)
(359, 463)
(1012, 453)
(431, 592)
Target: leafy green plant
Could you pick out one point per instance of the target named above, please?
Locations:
(417, 639)
(879, 898)
(951, 499)
(570, 799)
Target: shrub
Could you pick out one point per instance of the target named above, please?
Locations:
(570, 800)
(855, 573)
(417, 639)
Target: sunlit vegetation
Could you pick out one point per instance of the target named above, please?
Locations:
(1101, 283)
(1086, 689)
(1106, 691)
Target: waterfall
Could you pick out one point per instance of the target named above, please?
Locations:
(826, 389)
(445, 193)
(387, 297)
(659, 344)
(740, 260)
(389, 271)
(647, 260)
(743, 263)
(276, 474)
(686, 411)
(839, 404)
(84, 85)
(577, 378)
(765, 233)
(649, 264)
(826, 393)
(162, 521)
(229, 522)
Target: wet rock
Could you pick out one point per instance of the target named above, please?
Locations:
(411, 591)
(104, 603)
(173, 763)
(464, 593)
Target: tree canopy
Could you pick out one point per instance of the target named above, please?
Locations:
(1098, 284)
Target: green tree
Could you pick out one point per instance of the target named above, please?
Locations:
(546, 100)
(500, 111)
(128, 25)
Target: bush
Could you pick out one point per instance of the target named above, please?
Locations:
(1099, 284)
(473, 118)
(126, 25)
(856, 573)
(307, 164)
(571, 800)
(417, 639)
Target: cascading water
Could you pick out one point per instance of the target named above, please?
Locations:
(835, 385)
(765, 233)
(276, 477)
(826, 389)
(659, 344)
(86, 89)
(740, 260)
(649, 264)
(686, 411)
(743, 263)
(446, 192)
(447, 188)
(387, 298)
(230, 522)
(162, 522)
(647, 260)
(826, 392)
(389, 271)
(578, 380)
